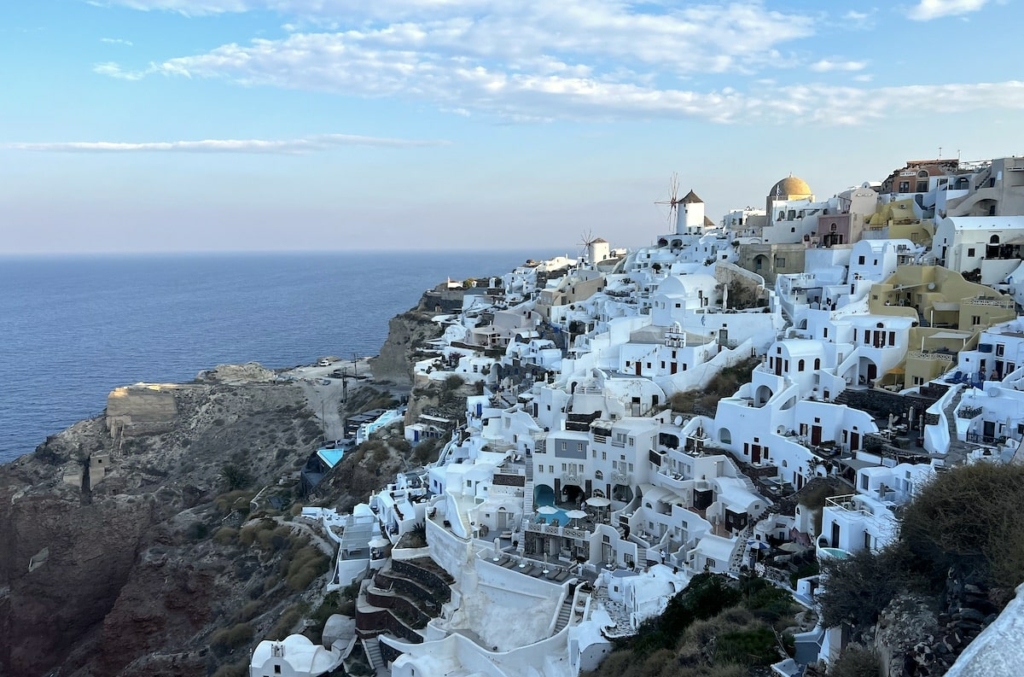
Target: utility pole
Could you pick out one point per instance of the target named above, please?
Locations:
(355, 365)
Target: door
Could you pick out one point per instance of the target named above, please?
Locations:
(637, 368)
(816, 434)
(835, 534)
(675, 367)
(989, 430)
(854, 441)
(872, 371)
(755, 453)
(778, 366)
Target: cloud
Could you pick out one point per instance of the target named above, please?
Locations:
(113, 70)
(827, 66)
(116, 41)
(926, 10)
(537, 60)
(307, 144)
(739, 36)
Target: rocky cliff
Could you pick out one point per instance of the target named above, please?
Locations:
(408, 337)
(120, 572)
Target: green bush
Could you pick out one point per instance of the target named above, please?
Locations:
(750, 647)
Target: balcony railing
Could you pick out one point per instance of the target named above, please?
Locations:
(572, 478)
(621, 477)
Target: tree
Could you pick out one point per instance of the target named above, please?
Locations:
(235, 477)
(858, 588)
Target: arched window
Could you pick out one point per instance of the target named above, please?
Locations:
(994, 239)
(832, 227)
(598, 475)
(817, 363)
(724, 436)
(800, 365)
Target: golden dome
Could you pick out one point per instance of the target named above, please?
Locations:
(790, 187)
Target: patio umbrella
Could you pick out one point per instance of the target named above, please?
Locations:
(758, 545)
(792, 547)
(598, 502)
(379, 542)
(547, 510)
(576, 514)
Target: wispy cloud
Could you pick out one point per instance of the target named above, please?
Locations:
(829, 65)
(926, 10)
(116, 41)
(113, 70)
(309, 144)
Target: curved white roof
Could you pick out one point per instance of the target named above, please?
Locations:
(297, 651)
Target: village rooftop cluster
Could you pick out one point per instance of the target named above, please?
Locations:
(571, 499)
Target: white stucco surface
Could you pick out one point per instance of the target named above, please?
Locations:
(997, 651)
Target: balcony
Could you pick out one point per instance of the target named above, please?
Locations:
(847, 503)
(572, 478)
(621, 478)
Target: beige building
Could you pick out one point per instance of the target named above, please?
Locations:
(771, 260)
(995, 191)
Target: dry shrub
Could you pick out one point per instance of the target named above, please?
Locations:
(968, 520)
(226, 639)
(306, 566)
(856, 661)
(238, 669)
(234, 500)
(225, 535)
(289, 619)
(250, 611)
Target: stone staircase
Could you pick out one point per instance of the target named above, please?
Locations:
(528, 487)
(957, 449)
(371, 647)
(641, 557)
(564, 614)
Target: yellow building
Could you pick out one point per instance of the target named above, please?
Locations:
(951, 313)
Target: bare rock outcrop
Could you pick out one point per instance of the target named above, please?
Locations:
(120, 573)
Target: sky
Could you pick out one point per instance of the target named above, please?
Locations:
(279, 125)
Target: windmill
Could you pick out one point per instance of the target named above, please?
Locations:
(673, 201)
(586, 240)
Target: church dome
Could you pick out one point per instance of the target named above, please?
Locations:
(790, 187)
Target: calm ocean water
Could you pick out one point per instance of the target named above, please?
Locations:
(72, 329)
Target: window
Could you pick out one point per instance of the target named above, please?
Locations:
(604, 455)
(817, 363)
(277, 669)
(563, 467)
(780, 262)
(711, 563)
(975, 320)
(970, 251)
(561, 446)
(632, 442)
(551, 469)
(1000, 349)
(630, 467)
(598, 475)
(918, 380)
(867, 540)
(800, 365)
(860, 260)
(579, 446)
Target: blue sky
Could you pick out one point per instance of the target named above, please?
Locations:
(181, 125)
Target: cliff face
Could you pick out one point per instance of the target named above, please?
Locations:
(407, 334)
(120, 573)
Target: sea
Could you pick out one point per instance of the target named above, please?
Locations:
(73, 328)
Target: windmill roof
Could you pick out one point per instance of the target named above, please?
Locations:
(708, 221)
(691, 198)
(599, 240)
